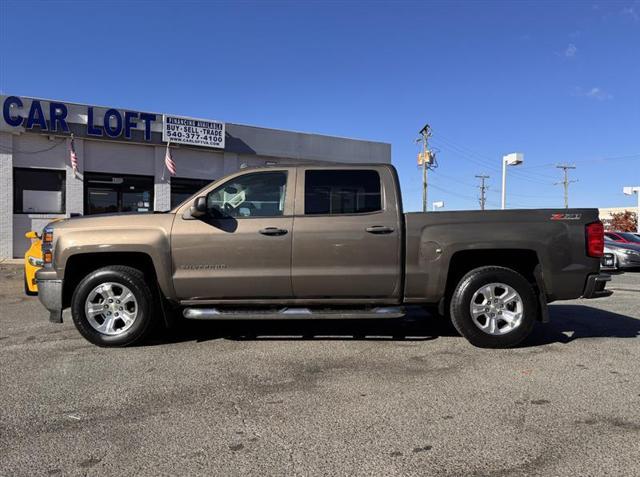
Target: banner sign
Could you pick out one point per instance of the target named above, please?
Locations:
(195, 132)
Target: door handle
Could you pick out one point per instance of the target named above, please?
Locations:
(379, 229)
(273, 231)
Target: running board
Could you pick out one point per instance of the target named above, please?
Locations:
(289, 313)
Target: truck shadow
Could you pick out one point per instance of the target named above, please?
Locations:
(572, 322)
(568, 323)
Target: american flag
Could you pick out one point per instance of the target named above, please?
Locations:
(73, 157)
(168, 161)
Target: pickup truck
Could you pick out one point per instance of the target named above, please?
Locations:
(310, 241)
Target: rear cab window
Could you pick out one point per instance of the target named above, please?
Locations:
(342, 191)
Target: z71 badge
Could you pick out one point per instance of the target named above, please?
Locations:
(566, 216)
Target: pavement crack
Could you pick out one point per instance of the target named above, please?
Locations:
(246, 429)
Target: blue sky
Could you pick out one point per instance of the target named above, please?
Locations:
(558, 81)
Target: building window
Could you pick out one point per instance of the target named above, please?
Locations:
(106, 193)
(38, 191)
(182, 189)
(334, 192)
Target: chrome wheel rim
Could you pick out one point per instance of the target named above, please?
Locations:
(497, 309)
(111, 308)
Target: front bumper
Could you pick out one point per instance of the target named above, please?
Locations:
(595, 286)
(50, 293)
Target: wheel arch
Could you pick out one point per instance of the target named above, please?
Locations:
(524, 261)
(80, 265)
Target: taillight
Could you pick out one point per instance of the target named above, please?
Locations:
(595, 239)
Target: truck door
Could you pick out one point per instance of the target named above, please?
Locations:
(242, 247)
(347, 234)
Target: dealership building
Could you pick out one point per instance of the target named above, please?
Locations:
(59, 159)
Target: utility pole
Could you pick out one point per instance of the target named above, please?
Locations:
(425, 159)
(483, 189)
(565, 168)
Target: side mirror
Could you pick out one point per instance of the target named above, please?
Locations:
(199, 207)
(31, 235)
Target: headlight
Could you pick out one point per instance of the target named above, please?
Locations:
(631, 252)
(47, 245)
(47, 234)
(36, 262)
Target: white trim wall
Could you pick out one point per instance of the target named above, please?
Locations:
(6, 195)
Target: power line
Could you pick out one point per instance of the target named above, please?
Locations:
(461, 196)
(483, 189)
(488, 201)
(565, 168)
(489, 161)
(14, 150)
(457, 181)
(453, 179)
(484, 164)
(597, 159)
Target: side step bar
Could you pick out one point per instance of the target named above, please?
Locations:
(290, 313)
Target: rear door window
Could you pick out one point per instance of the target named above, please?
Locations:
(336, 192)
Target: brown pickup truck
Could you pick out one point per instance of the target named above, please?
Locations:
(307, 242)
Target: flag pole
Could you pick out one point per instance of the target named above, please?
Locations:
(72, 150)
(164, 162)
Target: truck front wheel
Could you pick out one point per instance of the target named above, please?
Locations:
(494, 307)
(112, 306)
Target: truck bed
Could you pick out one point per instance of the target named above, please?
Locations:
(553, 240)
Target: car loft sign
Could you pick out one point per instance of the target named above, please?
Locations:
(53, 116)
(197, 132)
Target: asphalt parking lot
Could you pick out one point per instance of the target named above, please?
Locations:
(379, 398)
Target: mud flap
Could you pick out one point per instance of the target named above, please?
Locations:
(542, 295)
(168, 313)
(55, 316)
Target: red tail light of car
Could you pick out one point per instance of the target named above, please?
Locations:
(595, 239)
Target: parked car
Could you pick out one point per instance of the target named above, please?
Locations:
(311, 241)
(626, 255)
(32, 263)
(623, 237)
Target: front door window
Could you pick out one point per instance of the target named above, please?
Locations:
(258, 194)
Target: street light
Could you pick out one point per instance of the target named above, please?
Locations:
(437, 205)
(513, 159)
(631, 191)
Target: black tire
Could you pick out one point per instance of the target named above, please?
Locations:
(133, 279)
(461, 302)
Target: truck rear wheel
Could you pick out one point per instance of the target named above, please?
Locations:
(113, 306)
(494, 307)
